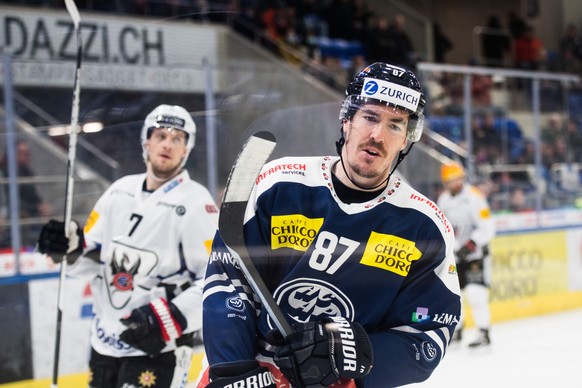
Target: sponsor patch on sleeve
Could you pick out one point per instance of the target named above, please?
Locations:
(91, 221)
(390, 253)
(294, 231)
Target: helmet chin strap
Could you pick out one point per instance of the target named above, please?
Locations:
(339, 145)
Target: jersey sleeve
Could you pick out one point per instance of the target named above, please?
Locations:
(230, 308)
(416, 331)
(88, 264)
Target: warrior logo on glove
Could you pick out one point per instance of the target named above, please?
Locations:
(323, 352)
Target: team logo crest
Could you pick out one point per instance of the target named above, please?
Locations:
(122, 276)
(235, 303)
(309, 299)
(127, 267)
(180, 210)
(429, 352)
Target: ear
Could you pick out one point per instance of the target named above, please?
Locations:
(345, 125)
(404, 144)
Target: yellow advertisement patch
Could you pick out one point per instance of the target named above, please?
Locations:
(93, 217)
(294, 231)
(390, 253)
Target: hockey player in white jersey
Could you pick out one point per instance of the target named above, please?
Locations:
(145, 248)
(468, 211)
(360, 263)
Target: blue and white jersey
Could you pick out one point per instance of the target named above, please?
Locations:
(387, 263)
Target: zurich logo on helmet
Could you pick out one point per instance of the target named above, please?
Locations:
(371, 87)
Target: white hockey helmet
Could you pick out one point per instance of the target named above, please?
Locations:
(169, 116)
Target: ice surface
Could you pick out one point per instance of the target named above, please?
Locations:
(537, 352)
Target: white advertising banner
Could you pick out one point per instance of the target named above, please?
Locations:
(76, 320)
(125, 53)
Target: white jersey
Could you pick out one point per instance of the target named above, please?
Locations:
(149, 245)
(470, 216)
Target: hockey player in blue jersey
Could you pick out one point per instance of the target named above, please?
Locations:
(360, 263)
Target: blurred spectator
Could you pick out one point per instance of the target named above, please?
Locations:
(518, 201)
(496, 43)
(515, 24)
(552, 129)
(362, 16)
(403, 53)
(442, 44)
(562, 150)
(570, 50)
(31, 203)
(481, 87)
(528, 54)
(528, 50)
(486, 140)
(389, 42)
(573, 137)
(378, 42)
(527, 154)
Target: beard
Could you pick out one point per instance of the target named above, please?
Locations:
(361, 168)
(164, 171)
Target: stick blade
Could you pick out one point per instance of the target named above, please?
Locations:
(245, 170)
(73, 12)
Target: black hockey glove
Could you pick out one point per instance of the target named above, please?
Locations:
(54, 243)
(466, 250)
(325, 351)
(243, 374)
(152, 325)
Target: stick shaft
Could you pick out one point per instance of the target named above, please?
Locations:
(74, 13)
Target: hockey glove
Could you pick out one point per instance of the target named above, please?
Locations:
(152, 325)
(323, 352)
(466, 250)
(243, 374)
(54, 243)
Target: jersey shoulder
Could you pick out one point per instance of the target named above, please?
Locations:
(410, 198)
(127, 183)
(475, 191)
(293, 169)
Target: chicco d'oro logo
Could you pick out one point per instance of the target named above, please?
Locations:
(294, 231)
(390, 253)
(308, 299)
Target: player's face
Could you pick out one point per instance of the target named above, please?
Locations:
(374, 137)
(166, 149)
(455, 185)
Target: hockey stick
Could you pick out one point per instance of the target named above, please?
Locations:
(74, 13)
(243, 174)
